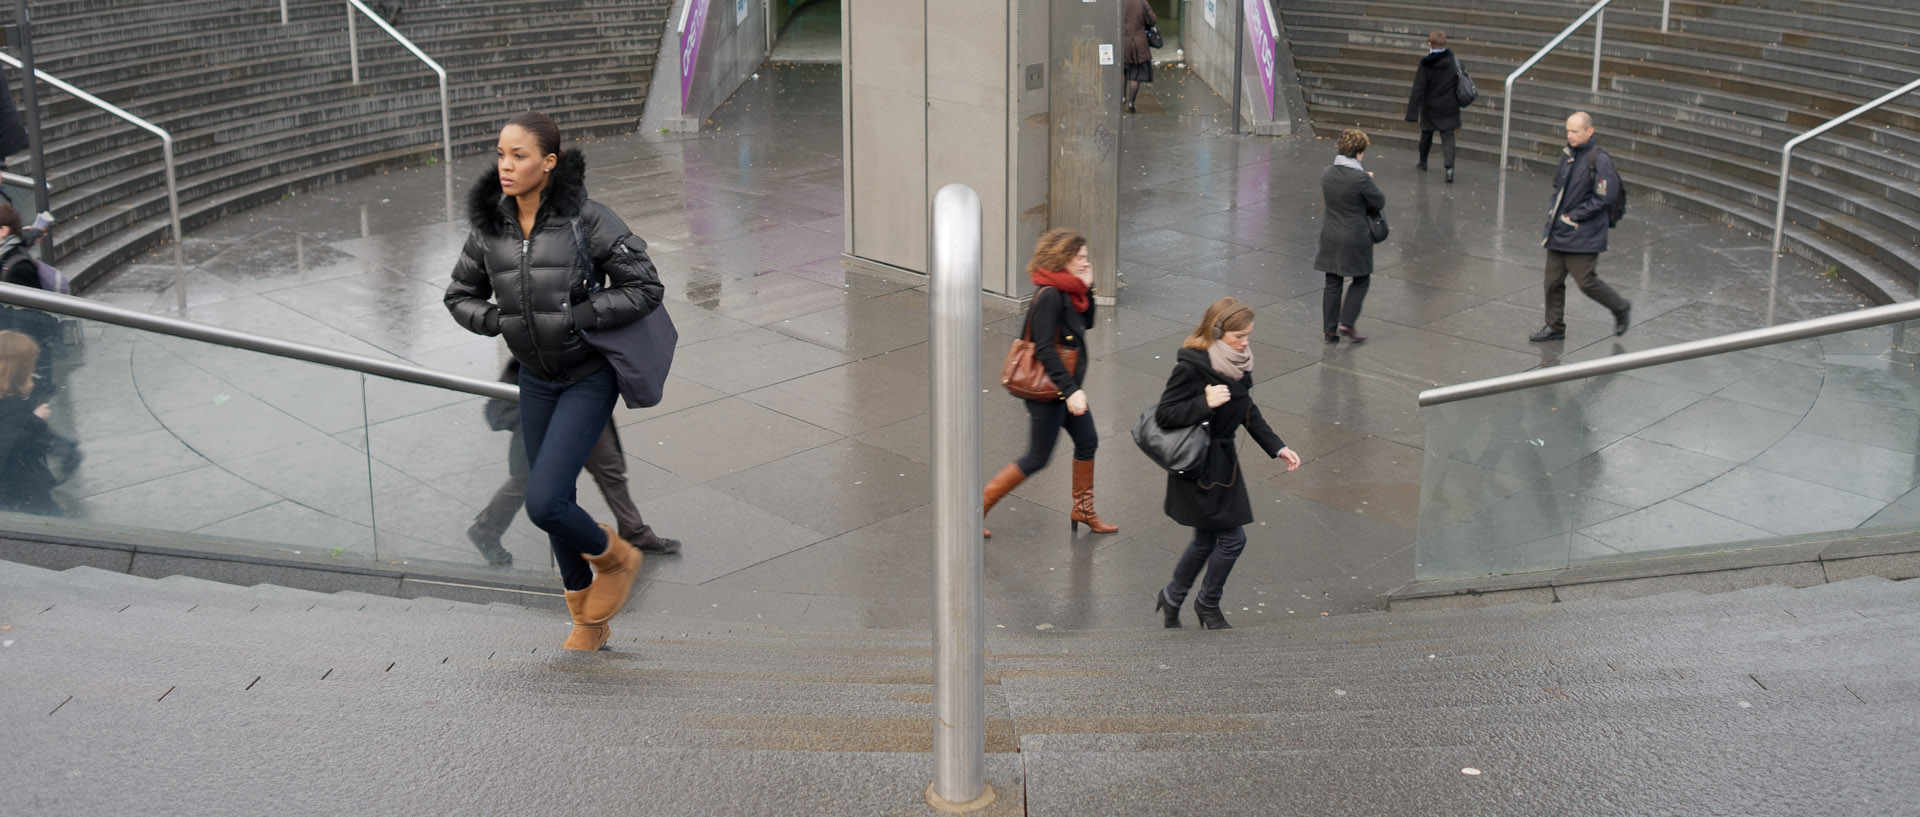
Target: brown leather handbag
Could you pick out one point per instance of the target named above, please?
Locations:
(1023, 374)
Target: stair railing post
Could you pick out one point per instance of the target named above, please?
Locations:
(353, 43)
(283, 12)
(1666, 10)
(1599, 39)
(30, 94)
(1786, 153)
(959, 598)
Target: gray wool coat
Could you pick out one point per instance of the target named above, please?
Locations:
(1346, 242)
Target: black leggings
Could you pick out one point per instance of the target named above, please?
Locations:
(1044, 421)
(1446, 146)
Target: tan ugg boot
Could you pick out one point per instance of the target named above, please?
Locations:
(613, 574)
(1083, 500)
(584, 636)
(1008, 479)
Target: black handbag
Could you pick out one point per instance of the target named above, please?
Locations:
(1377, 227)
(1182, 451)
(1463, 91)
(1154, 40)
(641, 352)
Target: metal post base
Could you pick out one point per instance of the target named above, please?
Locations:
(943, 804)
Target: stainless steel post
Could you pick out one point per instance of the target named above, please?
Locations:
(1599, 39)
(353, 43)
(283, 12)
(30, 94)
(959, 598)
(1666, 10)
(1239, 60)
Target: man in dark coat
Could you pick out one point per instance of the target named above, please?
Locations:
(1584, 187)
(1346, 237)
(1432, 103)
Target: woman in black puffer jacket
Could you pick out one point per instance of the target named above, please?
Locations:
(520, 277)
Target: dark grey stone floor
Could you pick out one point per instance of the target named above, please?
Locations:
(791, 452)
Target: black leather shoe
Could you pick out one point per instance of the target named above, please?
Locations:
(1620, 320)
(1333, 337)
(1547, 333)
(664, 546)
(1422, 167)
(1351, 335)
(1160, 605)
(1211, 617)
(489, 546)
(1449, 175)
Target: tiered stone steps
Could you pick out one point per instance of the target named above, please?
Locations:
(259, 110)
(179, 696)
(1696, 116)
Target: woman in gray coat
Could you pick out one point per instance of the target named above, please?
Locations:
(1346, 237)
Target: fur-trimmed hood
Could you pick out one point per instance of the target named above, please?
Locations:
(490, 211)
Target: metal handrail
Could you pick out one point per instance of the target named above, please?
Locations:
(353, 47)
(1599, 15)
(1786, 154)
(1799, 330)
(166, 139)
(105, 313)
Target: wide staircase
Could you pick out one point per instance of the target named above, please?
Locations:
(259, 110)
(1696, 116)
(180, 696)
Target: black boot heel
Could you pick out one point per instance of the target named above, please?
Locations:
(1211, 617)
(1160, 605)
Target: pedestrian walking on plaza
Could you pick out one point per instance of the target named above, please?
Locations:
(607, 465)
(1136, 54)
(1212, 383)
(519, 276)
(1586, 192)
(1058, 319)
(26, 483)
(1353, 202)
(1432, 102)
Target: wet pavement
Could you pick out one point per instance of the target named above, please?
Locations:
(791, 452)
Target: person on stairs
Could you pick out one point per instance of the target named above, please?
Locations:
(1432, 103)
(1212, 382)
(607, 464)
(519, 276)
(1061, 312)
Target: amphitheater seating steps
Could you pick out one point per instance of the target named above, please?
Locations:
(183, 679)
(258, 109)
(1696, 116)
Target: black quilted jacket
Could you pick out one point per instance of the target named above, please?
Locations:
(529, 289)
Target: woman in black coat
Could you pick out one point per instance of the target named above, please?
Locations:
(1432, 103)
(1212, 383)
(1346, 237)
(521, 276)
(26, 483)
(1061, 313)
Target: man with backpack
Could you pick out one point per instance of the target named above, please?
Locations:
(1588, 200)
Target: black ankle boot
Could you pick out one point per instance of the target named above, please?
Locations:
(1172, 611)
(1211, 617)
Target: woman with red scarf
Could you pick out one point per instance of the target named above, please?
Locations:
(1061, 313)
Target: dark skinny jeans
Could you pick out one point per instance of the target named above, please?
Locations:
(1044, 421)
(561, 423)
(1215, 550)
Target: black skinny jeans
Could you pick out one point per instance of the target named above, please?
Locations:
(1215, 550)
(1446, 146)
(1044, 421)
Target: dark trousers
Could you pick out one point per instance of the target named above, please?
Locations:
(1215, 550)
(561, 424)
(1581, 266)
(1337, 311)
(1446, 146)
(608, 466)
(1044, 421)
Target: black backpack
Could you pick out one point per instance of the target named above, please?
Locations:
(1616, 203)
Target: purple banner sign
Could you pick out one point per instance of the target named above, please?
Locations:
(691, 27)
(1263, 35)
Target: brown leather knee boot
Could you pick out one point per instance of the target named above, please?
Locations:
(1083, 500)
(1009, 478)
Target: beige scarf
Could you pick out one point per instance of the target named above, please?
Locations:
(1229, 363)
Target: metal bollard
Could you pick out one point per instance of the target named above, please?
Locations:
(959, 596)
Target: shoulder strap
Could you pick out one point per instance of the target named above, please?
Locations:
(1027, 333)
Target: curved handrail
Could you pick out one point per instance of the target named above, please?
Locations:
(1799, 330)
(1786, 153)
(353, 48)
(105, 313)
(166, 139)
(1599, 16)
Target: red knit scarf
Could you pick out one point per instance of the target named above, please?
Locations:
(1076, 290)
